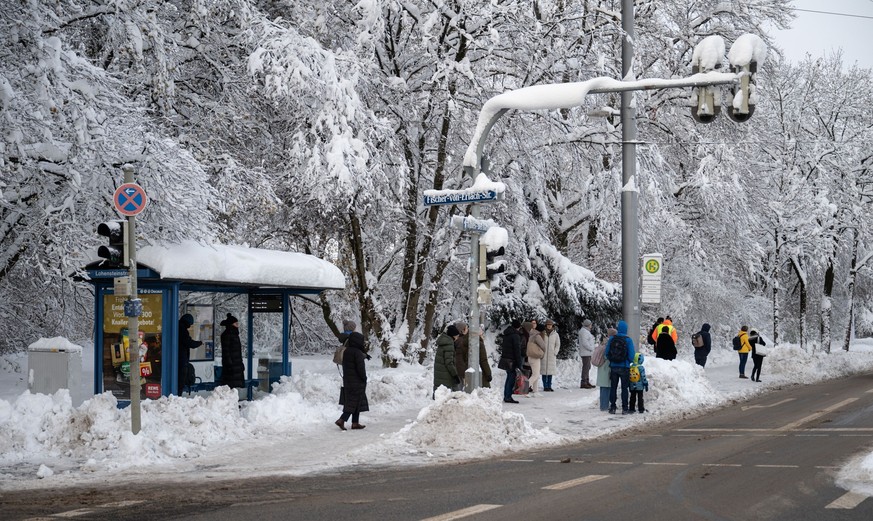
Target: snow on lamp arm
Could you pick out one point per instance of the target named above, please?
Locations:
(747, 52)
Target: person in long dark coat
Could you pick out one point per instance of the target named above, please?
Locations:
(511, 350)
(353, 398)
(232, 371)
(186, 344)
(444, 371)
(665, 347)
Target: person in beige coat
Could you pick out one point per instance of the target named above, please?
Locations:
(536, 349)
(549, 365)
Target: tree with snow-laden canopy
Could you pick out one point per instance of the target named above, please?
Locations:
(315, 126)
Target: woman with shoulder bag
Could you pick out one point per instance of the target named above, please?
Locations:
(536, 350)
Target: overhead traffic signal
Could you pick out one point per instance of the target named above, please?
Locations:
(743, 99)
(116, 251)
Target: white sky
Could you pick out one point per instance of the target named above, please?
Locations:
(46, 441)
(819, 34)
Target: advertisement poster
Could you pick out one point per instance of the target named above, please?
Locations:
(202, 330)
(120, 352)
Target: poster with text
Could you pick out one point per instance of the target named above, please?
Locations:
(120, 352)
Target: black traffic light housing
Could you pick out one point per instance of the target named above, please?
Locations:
(116, 251)
(489, 265)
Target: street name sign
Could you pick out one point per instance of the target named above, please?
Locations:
(485, 196)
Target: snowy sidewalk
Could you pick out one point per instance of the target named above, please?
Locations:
(46, 442)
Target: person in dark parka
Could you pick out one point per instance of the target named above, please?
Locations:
(444, 370)
(511, 350)
(232, 371)
(354, 395)
(186, 344)
(701, 353)
(665, 347)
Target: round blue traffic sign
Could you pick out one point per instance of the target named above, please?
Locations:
(130, 199)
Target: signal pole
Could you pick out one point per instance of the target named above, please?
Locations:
(132, 310)
(630, 194)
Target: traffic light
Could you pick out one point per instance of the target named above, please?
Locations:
(743, 98)
(489, 265)
(116, 251)
(705, 101)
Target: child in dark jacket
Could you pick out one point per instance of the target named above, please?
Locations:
(637, 388)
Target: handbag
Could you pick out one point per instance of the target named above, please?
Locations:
(506, 364)
(760, 351)
(342, 399)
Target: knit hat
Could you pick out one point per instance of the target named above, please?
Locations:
(229, 321)
(550, 322)
(516, 323)
(452, 331)
(187, 319)
(461, 325)
(586, 323)
(348, 325)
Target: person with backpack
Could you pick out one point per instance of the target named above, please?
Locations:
(652, 337)
(745, 348)
(638, 383)
(702, 343)
(599, 360)
(620, 353)
(757, 358)
(549, 365)
(586, 349)
(665, 347)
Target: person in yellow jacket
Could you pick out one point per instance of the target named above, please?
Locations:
(659, 328)
(745, 349)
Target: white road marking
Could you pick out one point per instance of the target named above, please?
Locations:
(847, 501)
(798, 423)
(615, 462)
(574, 482)
(458, 514)
(75, 513)
(724, 430)
(747, 407)
(666, 463)
(722, 465)
(90, 510)
(521, 460)
(778, 466)
(841, 429)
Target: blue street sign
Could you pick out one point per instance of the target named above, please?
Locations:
(486, 196)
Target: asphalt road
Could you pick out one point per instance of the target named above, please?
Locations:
(771, 458)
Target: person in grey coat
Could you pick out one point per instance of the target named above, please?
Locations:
(586, 349)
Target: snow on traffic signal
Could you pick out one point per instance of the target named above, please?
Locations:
(116, 251)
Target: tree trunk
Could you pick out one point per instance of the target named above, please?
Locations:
(826, 302)
(775, 285)
(851, 290)
(801, 284)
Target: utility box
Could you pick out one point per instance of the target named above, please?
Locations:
(54, 364)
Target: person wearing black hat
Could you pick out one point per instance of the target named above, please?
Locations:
(444, 370)
(186, 344)
(232, 372)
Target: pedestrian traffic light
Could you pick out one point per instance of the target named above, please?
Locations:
(743, 98)
(489, 265)
(116, 251)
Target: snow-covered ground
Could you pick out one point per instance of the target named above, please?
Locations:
(47, 442)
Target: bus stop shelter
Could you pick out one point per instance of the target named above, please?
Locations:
(206, 281)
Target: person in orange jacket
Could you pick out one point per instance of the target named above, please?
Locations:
(668, 322)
